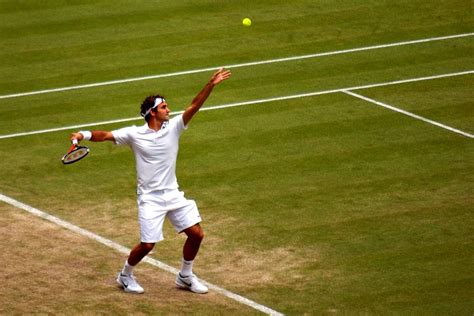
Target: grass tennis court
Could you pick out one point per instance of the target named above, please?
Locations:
(321, 204)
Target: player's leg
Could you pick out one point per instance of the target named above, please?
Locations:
(195, 236)
(151, 218)
(126, 278)
(186, 219)
(186, 279)
(139, 252)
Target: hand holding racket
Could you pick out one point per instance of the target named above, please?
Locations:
(75, 153)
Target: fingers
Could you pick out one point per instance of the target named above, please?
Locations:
(225, 74)
(221, 75)
(221, 71)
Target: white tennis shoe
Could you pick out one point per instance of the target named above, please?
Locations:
(191, 283)
(129, 283)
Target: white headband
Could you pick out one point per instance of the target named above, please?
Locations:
(158, 101)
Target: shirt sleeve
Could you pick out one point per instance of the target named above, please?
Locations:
(123, 136)
(177, 124)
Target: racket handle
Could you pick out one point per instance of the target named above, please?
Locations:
(75, 142)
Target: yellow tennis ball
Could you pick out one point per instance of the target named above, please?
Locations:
(247, 22)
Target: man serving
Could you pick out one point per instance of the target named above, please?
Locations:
(155, 146)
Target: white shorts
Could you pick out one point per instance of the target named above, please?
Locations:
(154, 207)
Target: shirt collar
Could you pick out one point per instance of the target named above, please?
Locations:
(144, 129)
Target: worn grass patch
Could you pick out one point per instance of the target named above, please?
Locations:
(49, 270)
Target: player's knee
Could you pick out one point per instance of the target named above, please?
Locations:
(196, 233)
(199, 235)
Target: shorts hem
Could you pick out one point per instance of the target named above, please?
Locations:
(191, 225)
(152, 241)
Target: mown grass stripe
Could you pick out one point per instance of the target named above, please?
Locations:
(217, 107)
(262, 62)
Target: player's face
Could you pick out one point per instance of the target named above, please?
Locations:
(163, 112)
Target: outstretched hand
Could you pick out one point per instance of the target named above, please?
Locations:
(220, 76)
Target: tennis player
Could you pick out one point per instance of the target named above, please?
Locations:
(155, 146)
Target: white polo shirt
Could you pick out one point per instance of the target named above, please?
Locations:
(155, 153)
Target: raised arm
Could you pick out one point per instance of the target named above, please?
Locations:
(202, 96)
(95, 136)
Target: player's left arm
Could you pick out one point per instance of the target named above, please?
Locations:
(202, 96)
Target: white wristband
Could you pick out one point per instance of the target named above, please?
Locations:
(86, 134)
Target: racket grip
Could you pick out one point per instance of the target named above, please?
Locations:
(75, 142)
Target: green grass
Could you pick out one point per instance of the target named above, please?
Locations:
(324, 204)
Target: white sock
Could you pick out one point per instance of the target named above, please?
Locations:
(187, 268)
(127, 269)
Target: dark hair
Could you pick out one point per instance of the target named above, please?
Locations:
(148, 104)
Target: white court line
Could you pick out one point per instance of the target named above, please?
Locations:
(282, 98)
(270, 61)
(111, 244)
(418, 117)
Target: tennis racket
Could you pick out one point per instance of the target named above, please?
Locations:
(75, 153)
